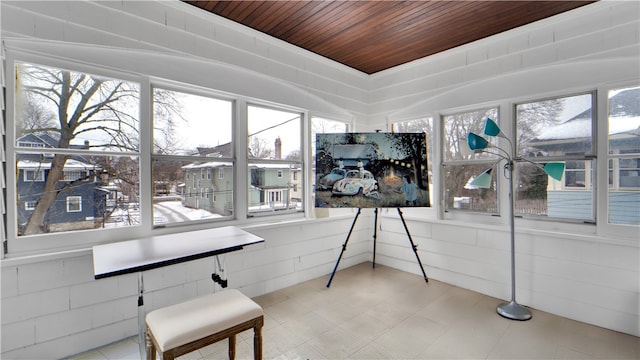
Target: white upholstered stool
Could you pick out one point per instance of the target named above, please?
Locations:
(179, 329)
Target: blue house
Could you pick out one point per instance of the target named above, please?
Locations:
(572, 198)
(82, 200)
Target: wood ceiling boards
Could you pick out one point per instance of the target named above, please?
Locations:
(371, 36)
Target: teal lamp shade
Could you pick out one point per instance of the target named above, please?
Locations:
(476, 142)
(554, 169)
(491, 128)
(483, 180)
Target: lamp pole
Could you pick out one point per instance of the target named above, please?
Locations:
(511, 309)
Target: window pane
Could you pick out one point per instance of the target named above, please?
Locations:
(191, 190)
(555, 127)
(459, 195)
(624, 162)
(97, 113)
(104, 196)
(275, 165)
(537, 194)
(274, 134)
(275, 187)
(187, 124)
(74, 203)
(456, 129)
(61, 110)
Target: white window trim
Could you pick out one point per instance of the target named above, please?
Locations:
(38, 178)
(30, 205)
(111, 63)
(71, 200)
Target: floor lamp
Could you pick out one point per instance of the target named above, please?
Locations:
(511, 310)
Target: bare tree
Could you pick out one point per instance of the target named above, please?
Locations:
(84, 104)
(259, 148)
(534, 117)
(167, 116)
(35, 117)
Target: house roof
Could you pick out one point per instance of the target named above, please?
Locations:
(70, 164)
(624, 119)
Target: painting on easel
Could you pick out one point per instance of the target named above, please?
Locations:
(371, 170)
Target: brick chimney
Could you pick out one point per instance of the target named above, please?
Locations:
(278, 148)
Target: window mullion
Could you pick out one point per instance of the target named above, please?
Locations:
(240, 136)
(146, 147)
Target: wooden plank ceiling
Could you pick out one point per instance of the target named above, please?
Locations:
(371, 36)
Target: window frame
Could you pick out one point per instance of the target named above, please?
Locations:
(39, 173)
(252, 163)
(71, 200)
(52, 242)
(15, 245)
(604, 191)
(200, 178)
(488, 161)
(589, 158)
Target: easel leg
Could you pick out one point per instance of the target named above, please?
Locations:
(344, 247)
(375, 235)
(413, 245)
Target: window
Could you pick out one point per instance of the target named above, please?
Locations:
(461, 165)
(275, 152)
(423, 125)
(557, 129)
(30, 205)
(73, 175)
(624, 156)
(30, 144)
(33, 175)
(88, 132)
(192, 137)
(74, 203)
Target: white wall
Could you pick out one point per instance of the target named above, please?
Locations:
(586, 273)
(52, 307)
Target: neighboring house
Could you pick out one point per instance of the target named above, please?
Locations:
(80, 206)
(572, 198)
(209, 185)
(274, 186)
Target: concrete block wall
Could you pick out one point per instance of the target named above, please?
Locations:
(587, 272)
(52, 307)
(588, 278)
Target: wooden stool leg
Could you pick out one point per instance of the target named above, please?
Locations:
(232, 347)
(257, 343)
(151, 350)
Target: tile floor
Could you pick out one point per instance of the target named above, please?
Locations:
(384, 313)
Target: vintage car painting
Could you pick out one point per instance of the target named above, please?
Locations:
(356, 182)
(327, 181)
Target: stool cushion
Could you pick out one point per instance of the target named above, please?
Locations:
(197, 318)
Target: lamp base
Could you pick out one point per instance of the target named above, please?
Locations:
(514, 311)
